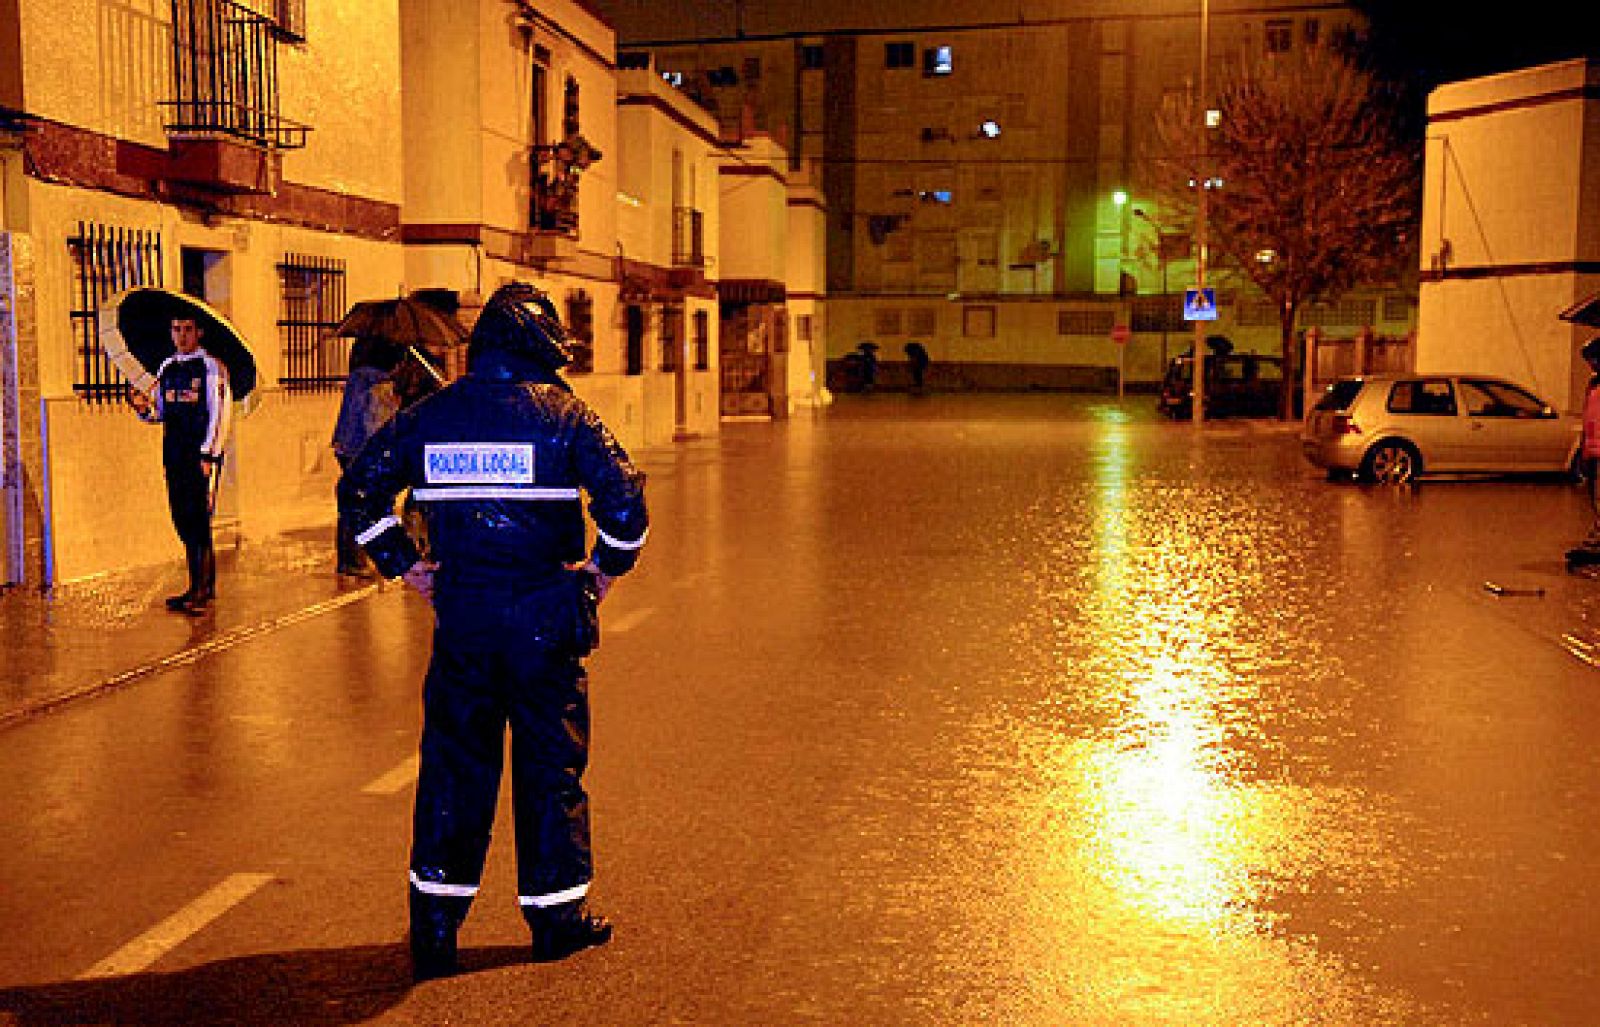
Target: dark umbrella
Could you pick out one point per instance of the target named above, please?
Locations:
(136, 331)
(416, 325)
(1585, 312)
(405, 321)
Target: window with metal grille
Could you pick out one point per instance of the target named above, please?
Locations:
(924, 321)
(802, 327)
(105, 260)
(580, 325)
(811, 57)
(1280, 35)
(311, 303)
(702, 341)
(899, 55)
(886, 321)
(225, 76)
(1085, 322)
(1158, 314)
(671, 338)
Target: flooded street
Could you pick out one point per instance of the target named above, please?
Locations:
(1023, 709)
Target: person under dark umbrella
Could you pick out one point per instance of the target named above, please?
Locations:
(369, 400)
(192, 402)
(499, 460)
(917, 356)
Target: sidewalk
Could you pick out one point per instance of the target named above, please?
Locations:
(100, 633)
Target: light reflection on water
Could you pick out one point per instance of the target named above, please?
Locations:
(1170, 822)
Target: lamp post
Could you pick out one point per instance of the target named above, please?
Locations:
(1166, 292)
(1198, 393)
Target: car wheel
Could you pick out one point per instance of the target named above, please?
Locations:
(1391, 462)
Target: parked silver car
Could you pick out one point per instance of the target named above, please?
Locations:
(1394, 427)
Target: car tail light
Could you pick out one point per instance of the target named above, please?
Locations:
(1344, 424)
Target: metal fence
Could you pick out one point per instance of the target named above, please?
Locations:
(105, 260)
(312, 291)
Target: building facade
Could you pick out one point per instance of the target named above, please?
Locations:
(668, 248)
(249, 154)
(1511, 226)
(981, 168)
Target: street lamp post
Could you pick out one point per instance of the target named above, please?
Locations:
(1203, 184)
(1166, 291)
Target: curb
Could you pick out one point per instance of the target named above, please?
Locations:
(183, 657)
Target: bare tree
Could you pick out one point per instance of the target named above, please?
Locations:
(1310, 189)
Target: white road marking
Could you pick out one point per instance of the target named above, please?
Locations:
(150, 946)
(627, 622)
(395, 779)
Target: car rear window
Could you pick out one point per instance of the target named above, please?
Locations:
(1340, 396)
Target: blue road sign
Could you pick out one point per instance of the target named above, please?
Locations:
(1199, 304)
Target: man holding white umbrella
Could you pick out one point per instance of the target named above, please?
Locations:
(192, 401)
(185, 364)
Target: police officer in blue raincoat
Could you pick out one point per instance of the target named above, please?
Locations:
(499, 462)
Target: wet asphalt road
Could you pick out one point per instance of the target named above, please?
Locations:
(928, 710)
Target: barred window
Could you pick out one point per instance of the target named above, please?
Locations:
(1085, 322)
(924, 321)
(702, 341)
(1397, 308)
(580, 326)
(105, 260)
(1257, 314)
(1158, 314)
(1280, 35)
(802, 327)
(886, 321)
(311, 304)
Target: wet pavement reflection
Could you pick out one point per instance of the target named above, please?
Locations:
(1021, 709)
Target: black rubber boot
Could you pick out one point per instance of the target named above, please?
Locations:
(203, 578)
(192, 558)
(559, 931)
(434, 921)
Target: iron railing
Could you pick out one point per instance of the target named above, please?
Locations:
(225, 76)
(688, 237)
(312, 302)
(105, 260)
(580, 328)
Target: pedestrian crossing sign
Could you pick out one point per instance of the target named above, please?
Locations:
(1199, 304)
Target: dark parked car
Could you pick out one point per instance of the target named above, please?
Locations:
(1237, 385)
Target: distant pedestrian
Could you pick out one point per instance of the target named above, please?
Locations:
(192, 402)
(1590, 451)
(917, 355)
(370, 399)
(868, 352)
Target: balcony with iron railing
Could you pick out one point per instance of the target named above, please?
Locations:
(225, 77)
(688, 237)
